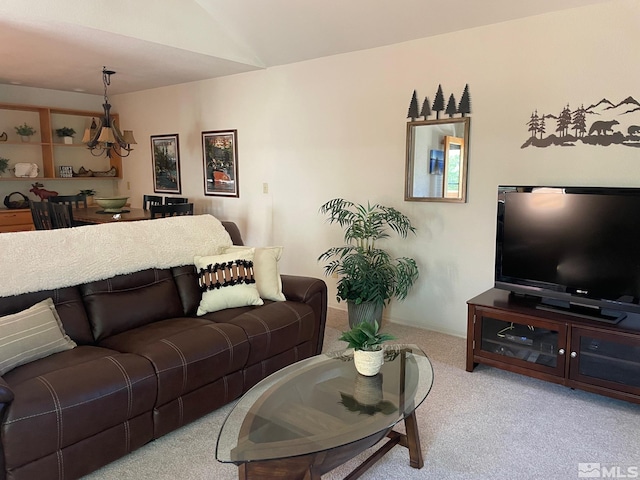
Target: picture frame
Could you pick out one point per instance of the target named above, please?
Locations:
(165, 158)
(436, 162)
(220, 163)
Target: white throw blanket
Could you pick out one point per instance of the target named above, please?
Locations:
(48, 259)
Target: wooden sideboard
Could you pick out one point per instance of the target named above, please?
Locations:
(17, 220)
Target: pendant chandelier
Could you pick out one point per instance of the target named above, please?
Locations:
(104, 137)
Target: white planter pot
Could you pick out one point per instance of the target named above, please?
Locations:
(368, 363)
(68, 140)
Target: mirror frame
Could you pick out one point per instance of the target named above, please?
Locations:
(408, 185)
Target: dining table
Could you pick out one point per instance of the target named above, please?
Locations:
(95, 214)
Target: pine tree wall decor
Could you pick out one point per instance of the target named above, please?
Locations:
(451, 107)
(463, 108)
(413, 107)
(438, 102)
(426, 109)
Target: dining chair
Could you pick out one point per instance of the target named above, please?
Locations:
(71, 202)
(148, 200)
(171, 210)
(41, 215)
(61, 216)
(174, 200)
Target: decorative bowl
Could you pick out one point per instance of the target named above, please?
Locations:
(112, 204)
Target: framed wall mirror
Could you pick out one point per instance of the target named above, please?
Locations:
(437, 154)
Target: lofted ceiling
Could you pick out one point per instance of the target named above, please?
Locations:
(63, 45)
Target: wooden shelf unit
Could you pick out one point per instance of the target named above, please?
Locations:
(51, 152)
(509, 332)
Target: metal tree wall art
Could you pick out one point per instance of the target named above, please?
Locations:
(603, 123)
(451, 106)
(413, 107)
(463, 108)
(438, 102)
(426, 109)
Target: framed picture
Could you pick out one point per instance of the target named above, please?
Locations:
(436, 162)
(165, 155)
(220, 162)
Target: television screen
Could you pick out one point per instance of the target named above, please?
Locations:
(580, 246)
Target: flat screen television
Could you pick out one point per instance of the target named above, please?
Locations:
(576, 248)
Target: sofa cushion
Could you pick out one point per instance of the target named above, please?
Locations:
(273, 328)
(61, 405)
(130, 301)
(227, 281)
(186, 353)
(267, 273)
(59, 361)
(31, 334)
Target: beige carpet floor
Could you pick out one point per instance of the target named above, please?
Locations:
(485, 425)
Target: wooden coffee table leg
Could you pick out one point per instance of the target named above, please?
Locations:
(413, 441)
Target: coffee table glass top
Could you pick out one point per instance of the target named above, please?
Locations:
(321, 403)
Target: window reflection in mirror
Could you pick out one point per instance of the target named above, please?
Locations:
(436, 167)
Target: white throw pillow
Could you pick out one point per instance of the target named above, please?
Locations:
(227, 281)
(32, 334)
(265, 264)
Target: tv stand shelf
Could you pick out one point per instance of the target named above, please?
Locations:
(512, 333)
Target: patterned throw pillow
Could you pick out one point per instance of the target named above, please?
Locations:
(227, 281)
(265, 265)
(32, 334)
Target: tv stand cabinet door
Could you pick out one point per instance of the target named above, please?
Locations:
(605, 362)
(519, 343)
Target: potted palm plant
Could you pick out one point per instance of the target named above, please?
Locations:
(368, 277)
(366, 340)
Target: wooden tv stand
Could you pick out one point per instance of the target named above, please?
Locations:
(509, 332)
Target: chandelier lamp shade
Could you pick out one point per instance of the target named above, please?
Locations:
(104, 137)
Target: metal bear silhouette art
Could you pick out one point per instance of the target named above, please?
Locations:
(602, 127)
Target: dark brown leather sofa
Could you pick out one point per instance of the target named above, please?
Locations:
(145, 365)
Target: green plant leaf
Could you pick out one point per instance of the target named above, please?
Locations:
(365, 336)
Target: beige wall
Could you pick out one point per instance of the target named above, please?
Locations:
(335, 126)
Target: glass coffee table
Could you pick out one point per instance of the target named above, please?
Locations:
(310, 417)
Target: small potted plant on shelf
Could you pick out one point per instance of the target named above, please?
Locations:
(366, 340)
(89, 194)
(368, 276)
(25, 131)
(4, 164)
(66, 133)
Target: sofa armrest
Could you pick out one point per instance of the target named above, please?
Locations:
(313, 292)
(6, 394)
(301, 289)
